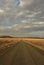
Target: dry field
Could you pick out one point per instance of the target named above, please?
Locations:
(22, 52)
(39, 43)
(5, 43)
(8, 42)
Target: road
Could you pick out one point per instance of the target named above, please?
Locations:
(22, 54)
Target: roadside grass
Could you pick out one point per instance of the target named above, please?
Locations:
(5, 44)
(39, 43)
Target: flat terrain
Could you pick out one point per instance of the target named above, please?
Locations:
(39, 43)
(20, 52)
(5, 43)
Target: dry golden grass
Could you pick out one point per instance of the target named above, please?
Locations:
(36, 42)
(7, 42)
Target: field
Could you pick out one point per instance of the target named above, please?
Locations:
(39, 43)
(5, 43)
(8, 42)
(21, 51)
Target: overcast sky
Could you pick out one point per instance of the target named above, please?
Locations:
(22, 18)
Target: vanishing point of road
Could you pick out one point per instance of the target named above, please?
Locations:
(22, 53)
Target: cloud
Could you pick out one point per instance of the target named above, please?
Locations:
(20, 17)
(22, 3)
(40, 23)
(24, 21)
(15, 27)
(1, 11)
(25, 2)
(33, 14)
(19, 14)
(18, 27)
(5, 28)
(28, 26)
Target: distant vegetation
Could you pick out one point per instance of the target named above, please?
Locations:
(21, 37)
(6, 37)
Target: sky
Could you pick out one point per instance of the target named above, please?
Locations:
(22, 18)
